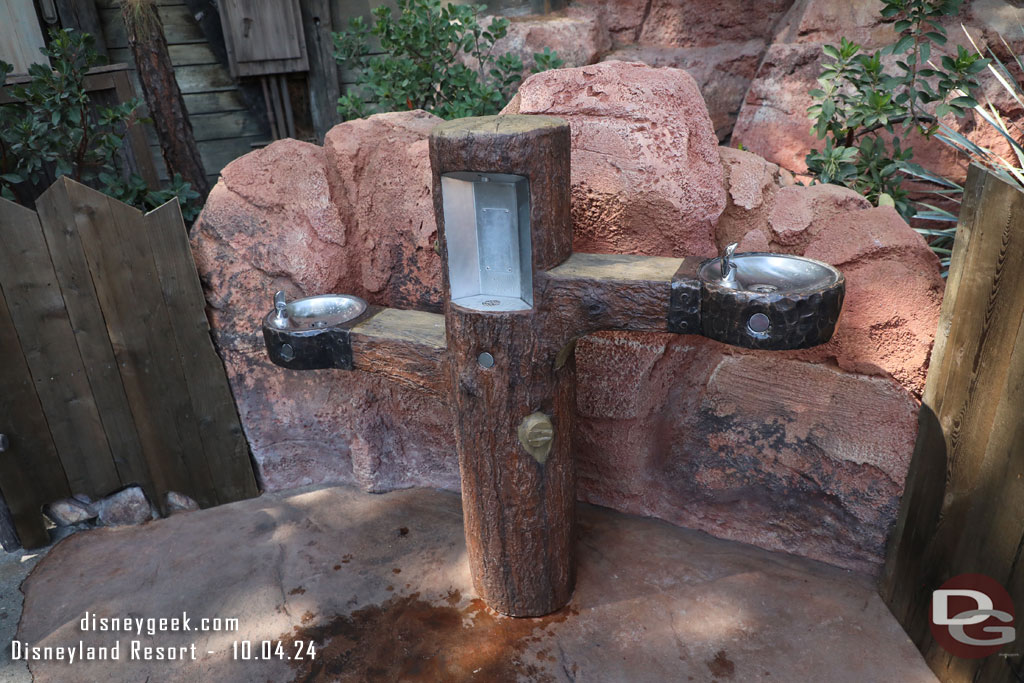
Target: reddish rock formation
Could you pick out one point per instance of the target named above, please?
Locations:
(645, 179)
(773, 120)
(802, 451)
(382, 193)
(781, 453)
(577, 34)
(723, 73)
(353, 216)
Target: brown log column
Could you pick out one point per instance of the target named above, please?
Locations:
(518, 500)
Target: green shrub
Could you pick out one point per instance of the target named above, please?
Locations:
(862, 96)
(422, 65)
(52, 129)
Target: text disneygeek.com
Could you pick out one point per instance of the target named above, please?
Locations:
(144, 650)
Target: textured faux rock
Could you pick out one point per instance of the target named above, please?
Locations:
(773, 119)
(723, 72)
(687, 23)
(128, 506)
(179, 502)
(744, 445)
(645, 179)
(381, 192)
(70, 511)
(577, 34)
(802, 451)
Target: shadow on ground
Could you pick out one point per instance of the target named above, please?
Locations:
(381, 586)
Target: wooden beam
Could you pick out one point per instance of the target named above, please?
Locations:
(514, 409)
(83, 16)
(963, 507)
(31, 473)
(324, 83)
(37, 307)
(592, 292)
(224, 444)
(405, 346)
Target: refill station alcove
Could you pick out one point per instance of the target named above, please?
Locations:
(487, 219)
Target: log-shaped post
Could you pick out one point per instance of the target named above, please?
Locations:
(513, 390)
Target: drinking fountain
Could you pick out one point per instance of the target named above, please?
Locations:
(516, 299)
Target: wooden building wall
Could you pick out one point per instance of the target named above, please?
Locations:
(224, 127)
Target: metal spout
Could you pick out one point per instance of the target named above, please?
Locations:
(728, 267)
(281, 305)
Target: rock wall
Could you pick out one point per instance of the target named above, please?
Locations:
(773, 119)
(800, 451)
(754, 62)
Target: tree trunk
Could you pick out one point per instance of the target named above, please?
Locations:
(163, 97)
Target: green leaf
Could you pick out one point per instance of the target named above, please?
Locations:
(902, 45)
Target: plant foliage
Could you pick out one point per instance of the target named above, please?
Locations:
(52, 129)
(867, 102)
(427, 52)
(1008, 167)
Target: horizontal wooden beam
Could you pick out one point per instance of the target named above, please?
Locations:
(406, 346)
(592, 292)
(588, 292)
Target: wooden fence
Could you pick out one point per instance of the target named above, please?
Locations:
(109, 375)
(963, 508)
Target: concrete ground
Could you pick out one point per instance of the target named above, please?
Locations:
(14, 567)
(379, 584)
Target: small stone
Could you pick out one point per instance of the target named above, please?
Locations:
(128, 506)
(70, 511)
(179, 502)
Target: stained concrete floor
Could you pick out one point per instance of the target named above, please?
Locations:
(380, 585)
(14, 567)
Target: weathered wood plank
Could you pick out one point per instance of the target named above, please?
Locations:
(21, 37)
(963, 509)
(84, 17)
(114, 4)
(36, 306)
(221, 125)
(324, 84)
(263, 37)
(224, 445)
(31, 473)
(939, 362)
(609, 291)
(213, 102)
(995, 522)
(137, 150)
(186, 54)
(119, 256)
(219, 153)
(406, 346)
(83, 309)
(179, 26)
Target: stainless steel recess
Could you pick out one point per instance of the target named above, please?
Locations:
(487, 228)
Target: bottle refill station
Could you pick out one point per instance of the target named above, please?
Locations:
(502, 355)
